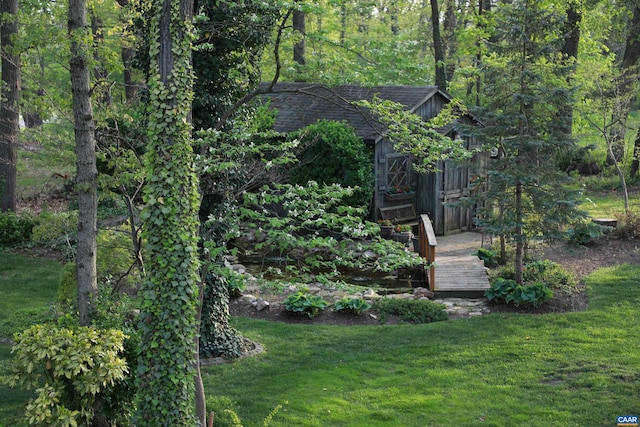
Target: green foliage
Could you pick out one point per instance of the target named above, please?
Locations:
(305, 303)
(488, 256)
(414, 137)
(500, 289)
(508, 291)
(354, 305)
(68, 286)
(311, 226)
(411, 310)
(333, 154)
(15, 229)
(225, 411)
(68, 369)
(236, 282)
(169, 293)
(217, 337)
(525, 122)
(583, 232)
(552, 274)
(56, 229)
(115, 261)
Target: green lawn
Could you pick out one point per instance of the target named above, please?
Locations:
(574, 369)
(28, 286)
(608, 205)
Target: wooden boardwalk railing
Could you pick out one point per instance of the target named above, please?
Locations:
(428, 243)
(456, 270)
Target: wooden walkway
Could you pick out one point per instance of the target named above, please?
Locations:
(458, 271)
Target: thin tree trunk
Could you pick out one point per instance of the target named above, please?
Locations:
(629, 75)
(86, 160)
(299, 49)
(438, 49)
(519, 235)
(9, 105)
(569, 53)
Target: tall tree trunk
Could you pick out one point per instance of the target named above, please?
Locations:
(100, 74)
(629, 75)
(9, 105)
(86, 159)
(127, 56)
(449, 41)
(569, 53)
(33, 119)
(438, 49)
(168, 317)
(299, 49)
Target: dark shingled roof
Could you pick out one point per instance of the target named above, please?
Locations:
(303, 104)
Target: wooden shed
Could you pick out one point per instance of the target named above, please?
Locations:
(396, 183)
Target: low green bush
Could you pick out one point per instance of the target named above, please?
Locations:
(488, 256)
(583, 233)
(508, 291)
(354, 305)
(15, 229)
(552, 274)
(304, 303)
(410, 310)
(69, 369)
(56, 229)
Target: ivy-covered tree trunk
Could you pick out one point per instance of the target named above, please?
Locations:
(86, 183)
(217, 337)
(168, 315)
(9, 106)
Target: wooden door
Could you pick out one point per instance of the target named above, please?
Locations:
(454, 186)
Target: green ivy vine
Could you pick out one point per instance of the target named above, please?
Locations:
(169, 292)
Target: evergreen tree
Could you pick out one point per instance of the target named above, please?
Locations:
(526, 89)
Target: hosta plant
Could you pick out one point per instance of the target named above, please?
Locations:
(354, 305)
(305, 303)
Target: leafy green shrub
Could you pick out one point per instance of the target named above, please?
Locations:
(305, 303)
(115, 258)
(532, 294)
(355, 305)
(505, 272)
(501, 289)
(15, 229)
(310, 225)
(235, 281)
(69, 369)
(583, 233)
(335, 155)
(56, 229)
(68, 286)
(488, 256)
(410, 310)
(508, 291)
(551, 274)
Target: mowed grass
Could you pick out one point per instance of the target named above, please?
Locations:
(609, 204)
(572, 369)
(28, 287)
